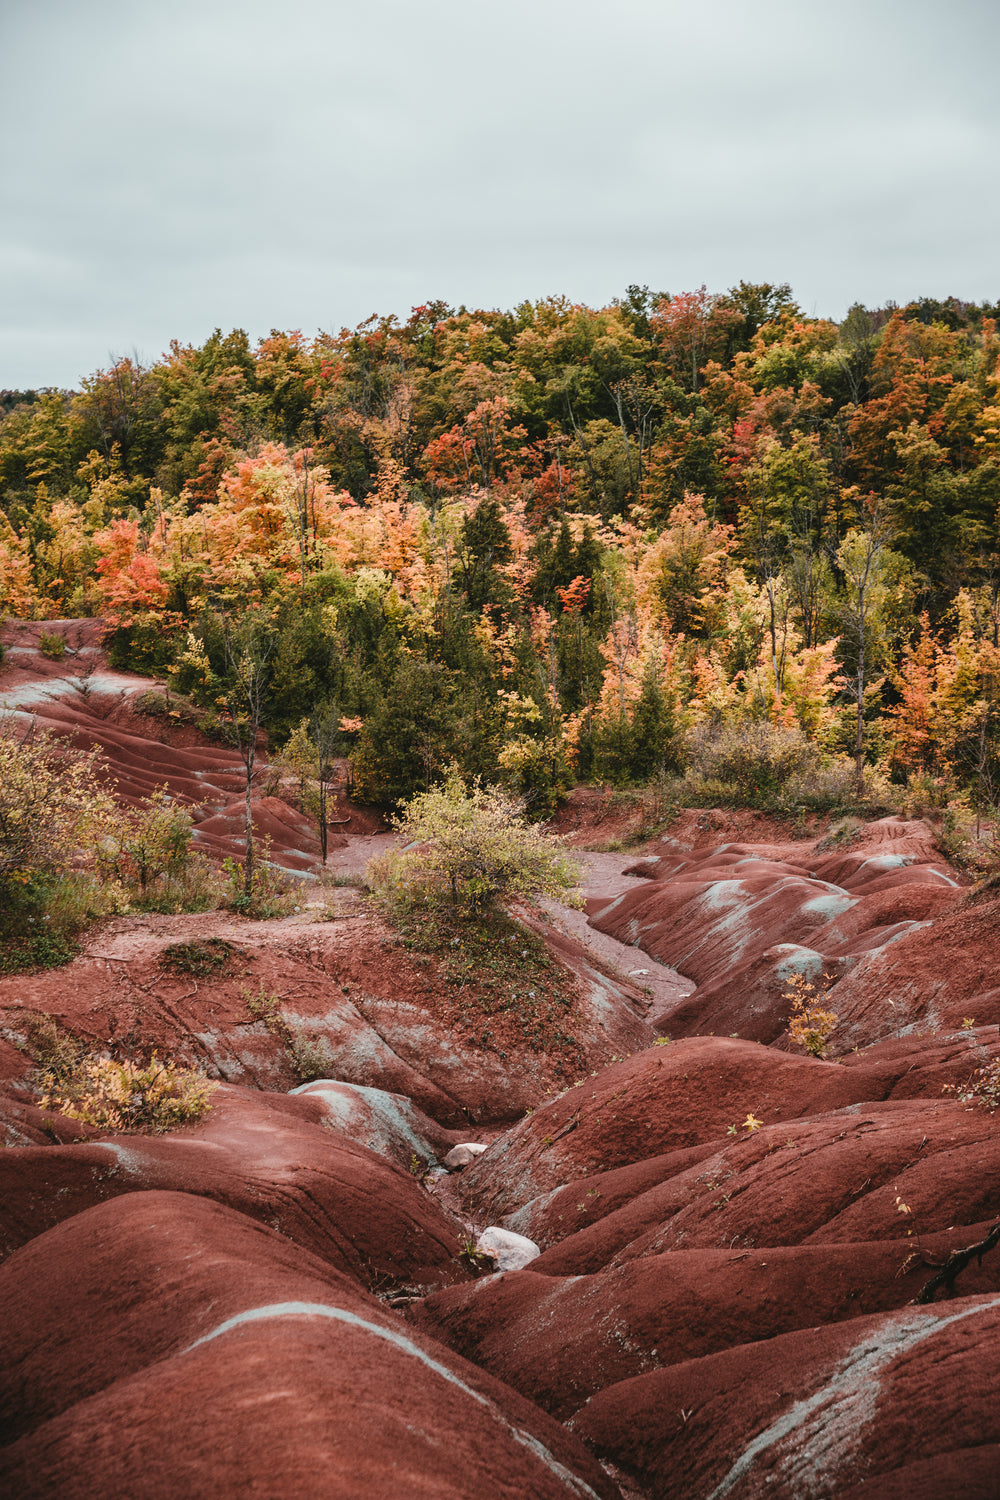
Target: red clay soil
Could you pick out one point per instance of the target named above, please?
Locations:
(898, 1403)
(561, 1339)
(658, 1101)
(883, 929)
(232, 1362)
(270, 1157)
(378, 1014)
(731, 1233)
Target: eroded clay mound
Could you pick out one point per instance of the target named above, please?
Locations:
(745, 920)
(900, 1403)
(559, 1340)
(341, 997)
(162, 1346)
(659, 1100)
(942, 976)
(830, 1179)
(269, 1156)
(386, 1123)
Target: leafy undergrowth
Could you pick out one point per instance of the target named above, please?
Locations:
(145, 1098)
(498, 985)
(132, 1096)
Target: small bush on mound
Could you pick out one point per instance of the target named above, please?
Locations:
(141, 1098)
(475, 851)
(148, 852)
(52, 645)
(213, 956)
(178, 709)
(809, 1026)
(650, 810)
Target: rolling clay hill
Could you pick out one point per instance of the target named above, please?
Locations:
(752, 1271)
(149, 740)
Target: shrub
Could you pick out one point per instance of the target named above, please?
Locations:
(475, 850)
(537, 771)
(214, 956)
(52, 645)
(148, 842)
(809, 1026)
(51, 803)
(749, 764)
(762, 765)
(51, 806)
(146, 1098)
(982, 1088)
(271, 894)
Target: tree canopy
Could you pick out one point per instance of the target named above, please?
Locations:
(549, 541)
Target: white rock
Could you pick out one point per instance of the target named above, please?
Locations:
(460, 1156)
(510, 1251)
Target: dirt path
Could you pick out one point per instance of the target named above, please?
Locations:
(603, 877)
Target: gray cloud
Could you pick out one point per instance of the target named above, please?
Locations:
(221, 163)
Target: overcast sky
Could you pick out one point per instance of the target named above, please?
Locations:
(172, 168)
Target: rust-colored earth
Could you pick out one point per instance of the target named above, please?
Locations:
(280, 1298)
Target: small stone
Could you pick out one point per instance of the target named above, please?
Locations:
(460, 1156)
(510, 1251)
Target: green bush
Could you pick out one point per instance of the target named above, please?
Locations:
(272, 892)
(44, 914)
(475, 851)
(761, 765)
(52, 645)
(748, 764)
(148, 842)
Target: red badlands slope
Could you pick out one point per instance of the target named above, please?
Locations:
(719, 1309)
(881, 928)
(224, 1360)
(83, 701)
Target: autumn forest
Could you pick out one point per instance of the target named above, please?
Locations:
(701, 537)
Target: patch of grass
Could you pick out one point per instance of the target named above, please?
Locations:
(45, 915)
(196, 887)
(339, 878)
(272, 894)
(213, 956)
